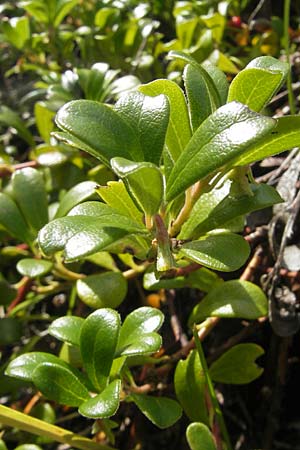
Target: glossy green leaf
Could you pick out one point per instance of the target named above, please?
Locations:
(51, 155)
(23, 366)
(45, 412)
(190, 387)
(199, 437)
(11, 119)
(225, 63)
(11, 330)
(60, 383)
(99, 130)
(237, 365)
(79, 193)
(221, 138)
(98, 341)
(30, 194)
(33, 268)
(12, 220)
(234, 298)
(44, 120)
(225, 252)
(103, 259)
(144, 182)
(67, 329)
(202, 279)
(212, 90)
(215, 209)
(91, 81)
(135, 245)
(102, 290)
(147, 344)
(78, 236)
(150, 117)
(71, 355)
(258, 82)
(7, 292)
(137, 333)
(89, 227)
(179, 130)
(198, 94)
(285, 136)
(116, 196)
(17, 31)
(104, 404)
(161, 411)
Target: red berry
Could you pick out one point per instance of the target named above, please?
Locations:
(236, 21)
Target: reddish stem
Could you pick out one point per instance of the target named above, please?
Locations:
(22, 291)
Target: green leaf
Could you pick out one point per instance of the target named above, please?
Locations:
(214, 209)
(116, 196)
(89, 227)
(221, 138)
(79, 193)
(51, 155)
(103, 259)
(30, 194)
(98, 341)
(202, 279)
(198, 94)
(199, 437)
(234, 298)
(161, 411)
(225, 252)
(91, 81)
(150, 117)
(99, 130)
(23, 366)
(285, 136)
(255, 85)
(11, 119)
(60, 383)
(237, 365)
(137, 335)
(17, 31)
(71, 355)
(102, 290)
(44, 120)
(38, 9)
(147, 344)
(45, 412)
(179, 130)
(63, 7)
(144, 182)
(67, 329)
(12, 220)
(103, 405)
(190, 387)
(33, 268)
(135, 245)
(78, 236)
(211, 87)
